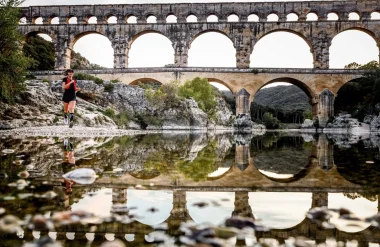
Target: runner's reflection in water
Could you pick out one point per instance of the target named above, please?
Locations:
(68, 163)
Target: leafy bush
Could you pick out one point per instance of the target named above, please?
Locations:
(164, 96)
(151, 120)
(115, 81)
(204, 164)
(270, 121)
(149, 85)
(82, 76)
(202, 92)
(121, 119)
(56, 119)
(109, 87)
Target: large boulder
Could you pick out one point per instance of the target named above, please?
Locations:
(198, 118)
(223, 116)
(307, 124)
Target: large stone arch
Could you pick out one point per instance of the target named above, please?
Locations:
(339, 85)
(299, 33)
(134, 37)
(309, 91)
(357, 27)
(212, 79)
(194, 36)
(143, 80)
(73, 39)
(33, 33)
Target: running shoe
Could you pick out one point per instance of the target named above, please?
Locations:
(65, 120)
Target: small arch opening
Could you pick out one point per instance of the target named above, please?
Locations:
(253, 18)
(353, 16)
(192, 18)
(212, 18)
(22, 21)
(375, 15)
(272, 17)
(312, 17)
(171, 19)
(132, 19)
(92, 20)
(292, 17)
(233, 18)
(54, 20)
(72, 20)
(112, 19)
(332, 16)
(38, 20)
(151, 19)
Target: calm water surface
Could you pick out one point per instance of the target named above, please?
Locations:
(153, 183)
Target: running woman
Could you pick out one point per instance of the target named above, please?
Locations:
(69, 85)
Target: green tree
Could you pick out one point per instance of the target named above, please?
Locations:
(41, 51)
(202, 92)
(13, 63)
(201, 166)
(361, 96)
(270, 121)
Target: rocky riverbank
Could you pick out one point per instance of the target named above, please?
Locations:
(110, 106)
(345, 123)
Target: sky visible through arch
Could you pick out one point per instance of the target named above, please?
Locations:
(279, 49)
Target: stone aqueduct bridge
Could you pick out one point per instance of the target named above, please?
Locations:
(244, 35)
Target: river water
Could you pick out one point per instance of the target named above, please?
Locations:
(152, 184)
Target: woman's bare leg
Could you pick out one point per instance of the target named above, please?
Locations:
(65, 111)
(71, 111)
(71, 106)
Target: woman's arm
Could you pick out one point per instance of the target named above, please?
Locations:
(66, 86)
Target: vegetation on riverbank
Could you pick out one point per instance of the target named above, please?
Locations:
(13, 63)
(360, 97)
(280, 104)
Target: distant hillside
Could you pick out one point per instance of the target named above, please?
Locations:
(79, 62)
(285, 98)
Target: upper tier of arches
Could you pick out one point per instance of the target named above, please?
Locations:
(200, 12)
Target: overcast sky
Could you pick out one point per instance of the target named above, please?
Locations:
(279, 49)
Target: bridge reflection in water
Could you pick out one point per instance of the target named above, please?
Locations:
(254, 184)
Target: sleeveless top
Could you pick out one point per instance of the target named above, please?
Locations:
(69, 94)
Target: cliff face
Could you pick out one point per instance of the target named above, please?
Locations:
(112, 105)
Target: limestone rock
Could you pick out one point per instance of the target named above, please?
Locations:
(41, 106)
(198, 118)
(307, 124)
(375, 124)
(343, 121)
(223, 115)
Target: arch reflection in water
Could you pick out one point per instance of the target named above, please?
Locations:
(144, 200)
(220, 206)
(280, 210)
(99, 203)
(361, 205)
(281, 158)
